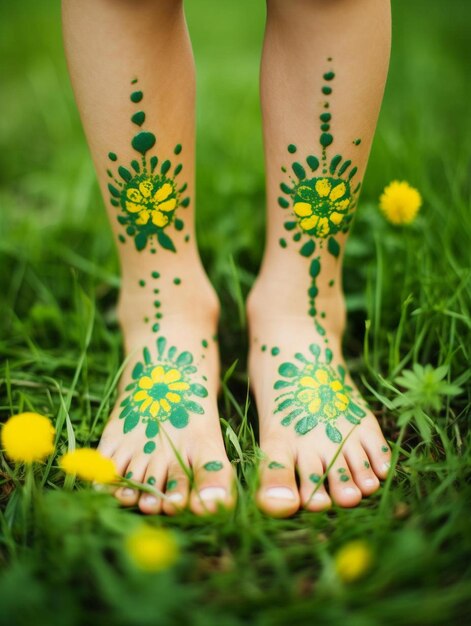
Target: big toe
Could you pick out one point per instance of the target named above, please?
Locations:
(278, 494)
(213, 484)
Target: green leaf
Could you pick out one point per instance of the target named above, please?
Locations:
(131, 421)
(333, 247)
(333, 433)
(165, 241)
(308, 248)
(199, 390)
(194, 407)
(288, 370)
(152, 429)
(306, 424)
(179, 417)
(140, 241)
(185, 358)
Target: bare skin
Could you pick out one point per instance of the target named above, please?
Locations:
(300, 38)
(108, 45)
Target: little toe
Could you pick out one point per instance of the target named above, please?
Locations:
(213, 485)
(314, 496)
(278, 494)
(151, 503)
(177, 489)
(378, 451)
(361, 469)
(343, 490)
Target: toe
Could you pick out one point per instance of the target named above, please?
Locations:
(177, 489)
(314, 496)
(213, 484)
(134, 471)
(378, 451)
(361, 469)
(278, 493)
(343, 490)
(155, 475)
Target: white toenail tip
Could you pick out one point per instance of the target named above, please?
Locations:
(386, 466)
(350, 491)
(370, 482)
(127, 493)
(150, 500)
(280, 493)
(175, 497)
(213, 493)
(320, 497)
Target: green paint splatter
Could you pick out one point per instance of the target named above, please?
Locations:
(329, 76)
(341, 470)
(275, 351)
(177, 281)
(326, 139)
(366, 464)
(136, 96)
(155, 275)
(205, 343)
(151, 480)
(138, 118)
(128, 475)
(112, 156)
(143, 141)
(331, 283)
(171, 484)
(142, 283)
(264, 347)
(325, 117)
(292, 148)
(276, 465)
(344, 478)
(178, 148)
(282, 242)
(149, 447)
(315, 478)
(384, 449)
(213, 466)
(357, 142)
(326, 90)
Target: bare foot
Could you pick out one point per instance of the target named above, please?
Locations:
(313, 421)
(164, 430)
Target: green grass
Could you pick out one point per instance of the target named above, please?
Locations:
(408, 296)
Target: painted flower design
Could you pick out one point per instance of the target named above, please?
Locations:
(162, 391)
(146, 190)
(321, 204)
(317, 393)
(152, 200)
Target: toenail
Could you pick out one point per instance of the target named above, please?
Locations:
(149, 500)
(386, 466)
(370, 482)
(280, 493)
(213, 493)
(350, 491)
(128, 493)
(175, 497)
(320, 497)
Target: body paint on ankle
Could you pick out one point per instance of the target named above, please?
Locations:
(320, 199)
(162, 390)
(147, 194)
(316, 393)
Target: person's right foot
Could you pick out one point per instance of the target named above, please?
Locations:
(164, 430)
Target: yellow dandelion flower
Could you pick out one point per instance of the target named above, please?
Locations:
(152, 549)
(28, 437)
(353, 561)
(400, 202)
(89, 464)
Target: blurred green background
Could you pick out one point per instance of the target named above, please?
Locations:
(410, 288)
